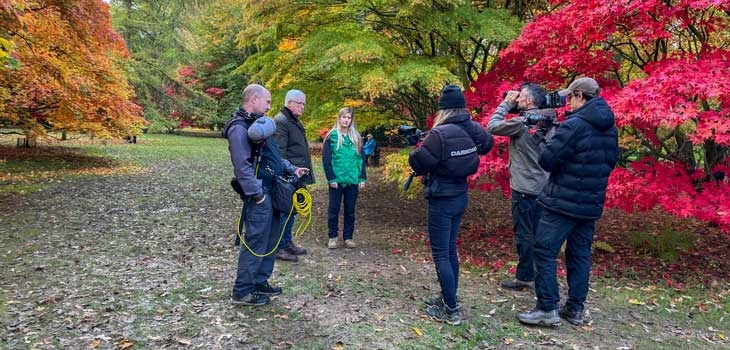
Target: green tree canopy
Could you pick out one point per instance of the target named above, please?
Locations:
(158, 35)
(389, 59)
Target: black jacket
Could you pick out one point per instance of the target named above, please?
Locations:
(292, 140)
(449, 154)
(580, 157)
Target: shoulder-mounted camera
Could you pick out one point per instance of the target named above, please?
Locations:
(552, 100)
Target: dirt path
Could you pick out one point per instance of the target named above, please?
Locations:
(146, 261)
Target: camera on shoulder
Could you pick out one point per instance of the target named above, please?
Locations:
(552, 100)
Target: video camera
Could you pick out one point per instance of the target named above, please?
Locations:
(541, 121)
(552, 100)
(543, 124)
(412, 134)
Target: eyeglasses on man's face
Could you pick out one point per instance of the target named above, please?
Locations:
(301, 103)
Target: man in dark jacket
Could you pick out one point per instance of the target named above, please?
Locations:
(249, 146)
(294, 147)
(526, 177)
(580, 158)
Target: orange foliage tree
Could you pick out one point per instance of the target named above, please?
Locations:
(70, 75)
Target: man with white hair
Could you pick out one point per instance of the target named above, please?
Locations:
(293, 145)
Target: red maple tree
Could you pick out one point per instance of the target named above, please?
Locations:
(663, 67)
(71, 69)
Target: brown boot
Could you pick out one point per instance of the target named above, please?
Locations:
(282, 254)
(292, 249)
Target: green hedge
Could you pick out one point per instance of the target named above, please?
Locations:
(198, 133)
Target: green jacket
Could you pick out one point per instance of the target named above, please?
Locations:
(345, 165)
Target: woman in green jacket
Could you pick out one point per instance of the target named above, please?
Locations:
(344, 167)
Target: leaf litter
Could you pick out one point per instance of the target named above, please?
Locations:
(142, 259)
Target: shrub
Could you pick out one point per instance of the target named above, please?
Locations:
(397, 170)
(665, 243)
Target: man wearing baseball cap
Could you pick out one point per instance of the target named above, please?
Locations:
(580, 157)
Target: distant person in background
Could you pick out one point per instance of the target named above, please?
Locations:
(447, 156)
(294, 147)
(369, 148)
(344, 167)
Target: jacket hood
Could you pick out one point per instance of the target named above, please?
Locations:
(239, 116)
(596, 112)
(459, 118)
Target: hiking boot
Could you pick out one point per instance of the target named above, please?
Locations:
(332, 243)
(267, 289)
(294, 250)
(350, 243)
(515, 284)
(438, 300)
(444, 314)
(252, 299)
(538, 317)
(282, 254)
(573, 317)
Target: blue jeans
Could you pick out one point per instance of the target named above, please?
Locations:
(346, 194)
(526, 213)
(261, 223)
(287, 237)
(444, 219)
(554, 229)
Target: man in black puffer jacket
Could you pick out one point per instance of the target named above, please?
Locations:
(447, 156)
(580, 158)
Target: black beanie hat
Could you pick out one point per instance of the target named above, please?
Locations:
(451, 97)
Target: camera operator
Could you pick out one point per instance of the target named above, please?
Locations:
(526, 178)
(580, 158)
(447, 155)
